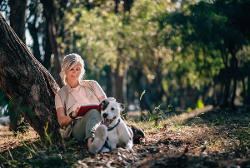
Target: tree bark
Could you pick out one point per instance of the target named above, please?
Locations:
(17, 17)
(26, 81)
(17, 22)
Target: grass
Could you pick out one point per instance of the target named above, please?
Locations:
(222, 130)
(218, 134)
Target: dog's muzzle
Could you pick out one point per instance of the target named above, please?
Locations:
(107, 121)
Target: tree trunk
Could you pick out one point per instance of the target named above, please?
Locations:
(109, 77)
(142, 86)
(25, 80)
(17, 22)
(157, 88)
(118, 87)
(234, 65)
(226, 91)
(247, 97)
(50, 15)
(127, 5)
(17, 17)
(47, 50)
(34, 34)
(117, 2)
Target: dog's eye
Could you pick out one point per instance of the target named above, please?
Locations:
(112, 108)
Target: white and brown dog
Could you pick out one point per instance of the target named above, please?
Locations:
(112, 131)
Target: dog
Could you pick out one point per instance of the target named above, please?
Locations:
(112, 131)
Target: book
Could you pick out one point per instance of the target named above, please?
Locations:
(86, 108)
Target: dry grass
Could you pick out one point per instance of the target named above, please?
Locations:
(10, 141)
(201, 138)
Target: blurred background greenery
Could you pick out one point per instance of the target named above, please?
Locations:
(182, 54)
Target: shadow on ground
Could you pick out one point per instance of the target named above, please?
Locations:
(215, 138)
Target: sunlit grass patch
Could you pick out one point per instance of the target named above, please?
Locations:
(147, 126)
(7, 138)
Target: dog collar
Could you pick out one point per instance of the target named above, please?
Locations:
(111, 128)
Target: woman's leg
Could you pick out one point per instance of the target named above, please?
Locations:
(87, 129)
(96, 134)
(85, 126)
(96, 144)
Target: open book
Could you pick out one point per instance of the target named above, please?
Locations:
(86, 108)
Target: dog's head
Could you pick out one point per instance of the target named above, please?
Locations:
(111, 111)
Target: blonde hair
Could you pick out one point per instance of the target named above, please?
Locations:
(70, 61)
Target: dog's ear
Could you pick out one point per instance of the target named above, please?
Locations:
(104, 104)
(111, 99)
(122, 107)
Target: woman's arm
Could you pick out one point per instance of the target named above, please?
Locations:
(63, 120)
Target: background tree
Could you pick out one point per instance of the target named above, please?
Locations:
(210, 27)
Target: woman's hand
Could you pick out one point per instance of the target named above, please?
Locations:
(75, 113)
(63, 120)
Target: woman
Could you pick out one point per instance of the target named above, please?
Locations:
(75, 93)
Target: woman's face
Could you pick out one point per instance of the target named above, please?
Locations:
(74, 72)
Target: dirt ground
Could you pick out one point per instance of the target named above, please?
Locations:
(206, 138)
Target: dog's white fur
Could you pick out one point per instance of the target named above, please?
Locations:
(120, 136)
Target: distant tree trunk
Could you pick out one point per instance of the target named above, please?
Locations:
(118, 85)
(47, 50)
(157, 88)
(117, 2)
(234, 65)
(127, 5)
(109, 85)
(50, 15)
(17, 17)
(226, 90)
(247, 98)
(26, 81)
(145, 103)
(124, 87)
(33, 29)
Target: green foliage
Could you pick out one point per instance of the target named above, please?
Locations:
(47, 135)
(178, 45)
(200, 104)
(106, 38)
